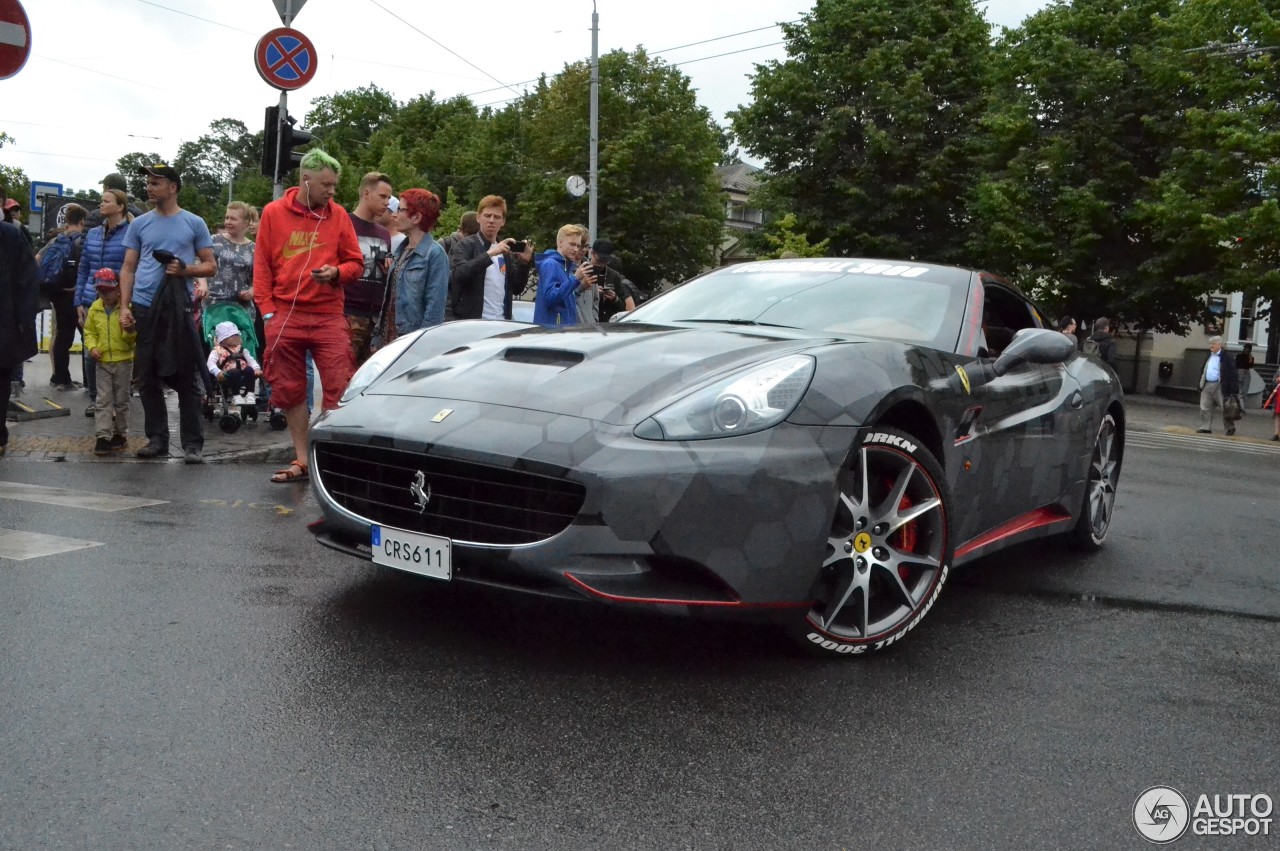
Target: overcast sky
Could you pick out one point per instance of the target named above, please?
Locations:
(105, 76)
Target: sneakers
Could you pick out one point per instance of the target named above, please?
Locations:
(102, 446)
(1204, 431)
(118, 441)
(91, 410)
(237, 399)
(1231, 431)
(250, 399)
(154, 449)
(192, 456)
(1275, 437)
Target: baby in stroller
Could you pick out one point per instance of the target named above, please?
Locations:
(235, 372)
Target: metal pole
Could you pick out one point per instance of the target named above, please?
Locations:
(594, 182)
(281, 139)
(278, 188)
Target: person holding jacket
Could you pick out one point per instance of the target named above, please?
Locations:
(103, 249)
(420, 269)
(167, 253)
(307, 253)
(560, 277)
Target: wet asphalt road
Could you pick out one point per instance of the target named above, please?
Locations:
(210, 678)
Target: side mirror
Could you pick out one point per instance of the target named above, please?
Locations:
(1035, 345)
(1030, 345)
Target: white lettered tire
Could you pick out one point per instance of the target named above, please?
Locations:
(889, 550)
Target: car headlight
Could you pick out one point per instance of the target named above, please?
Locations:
(747, 401)
(376, 365)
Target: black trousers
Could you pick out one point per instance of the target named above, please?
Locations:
(189, 387)
(64, 310)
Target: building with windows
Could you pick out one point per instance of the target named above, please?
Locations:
(738, 181)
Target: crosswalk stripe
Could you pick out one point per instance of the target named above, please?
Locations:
(20, 546)
(73, 498)
(1196, 443)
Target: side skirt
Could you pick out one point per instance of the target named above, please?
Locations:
(1039, 523)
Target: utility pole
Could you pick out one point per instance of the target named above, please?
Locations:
(286, 17)
(594, 178)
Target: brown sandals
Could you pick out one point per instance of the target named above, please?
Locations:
(295, 472)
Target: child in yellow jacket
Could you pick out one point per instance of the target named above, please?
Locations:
(111, 347)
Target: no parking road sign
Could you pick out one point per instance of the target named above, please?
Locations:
(15, 38)
(286, 59)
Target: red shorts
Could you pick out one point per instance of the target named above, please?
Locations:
(284, 357)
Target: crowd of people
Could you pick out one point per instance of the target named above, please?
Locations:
(252, 312)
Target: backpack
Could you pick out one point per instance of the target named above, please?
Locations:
(1091, 348)
(60, 264)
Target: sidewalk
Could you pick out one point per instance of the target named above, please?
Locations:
(71, 438)
(1155, 413)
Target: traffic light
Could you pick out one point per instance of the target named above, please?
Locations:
(287, 158)
(270, 141)
(279, 138)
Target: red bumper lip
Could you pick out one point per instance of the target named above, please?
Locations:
(634, 599)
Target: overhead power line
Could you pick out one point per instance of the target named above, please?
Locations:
(441, 45)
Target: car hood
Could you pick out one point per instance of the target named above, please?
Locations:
(619, 373)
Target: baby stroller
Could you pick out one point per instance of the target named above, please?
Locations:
(231, 399)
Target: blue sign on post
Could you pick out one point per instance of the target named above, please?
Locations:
(38, 189)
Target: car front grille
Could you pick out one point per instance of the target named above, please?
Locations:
(469, 502)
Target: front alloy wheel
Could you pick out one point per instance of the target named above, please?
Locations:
(888, 552)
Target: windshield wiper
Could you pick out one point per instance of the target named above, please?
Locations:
(737, 322)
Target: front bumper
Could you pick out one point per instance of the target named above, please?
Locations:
(734, 522)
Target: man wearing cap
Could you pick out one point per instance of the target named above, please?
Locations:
(366, 298)
(165, 327)
(307, 254)
(18, 296)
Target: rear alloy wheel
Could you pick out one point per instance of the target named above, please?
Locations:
(888, 553)
(1100, 489)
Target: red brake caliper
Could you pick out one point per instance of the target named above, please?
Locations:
(906, 539)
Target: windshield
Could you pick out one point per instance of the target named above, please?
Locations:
(913, 304)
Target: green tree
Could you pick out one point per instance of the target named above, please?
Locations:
(779, 239)
(343, 125)
(1124, 151)
(129, 165)
(14, 180)
(864, 129)
(659, 199)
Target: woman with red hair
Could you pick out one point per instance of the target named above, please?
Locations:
(419, 282)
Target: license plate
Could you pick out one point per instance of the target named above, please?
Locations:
(425, 555)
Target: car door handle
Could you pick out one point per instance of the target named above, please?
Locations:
(1076, 400)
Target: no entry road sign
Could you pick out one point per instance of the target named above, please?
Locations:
(285, 58)
(15, 38)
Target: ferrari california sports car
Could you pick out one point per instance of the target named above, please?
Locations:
(816, 442)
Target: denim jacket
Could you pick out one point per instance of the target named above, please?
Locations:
(421, 285)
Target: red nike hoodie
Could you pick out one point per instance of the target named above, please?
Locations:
(292, 240)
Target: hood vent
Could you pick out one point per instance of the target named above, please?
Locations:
(543, 357)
